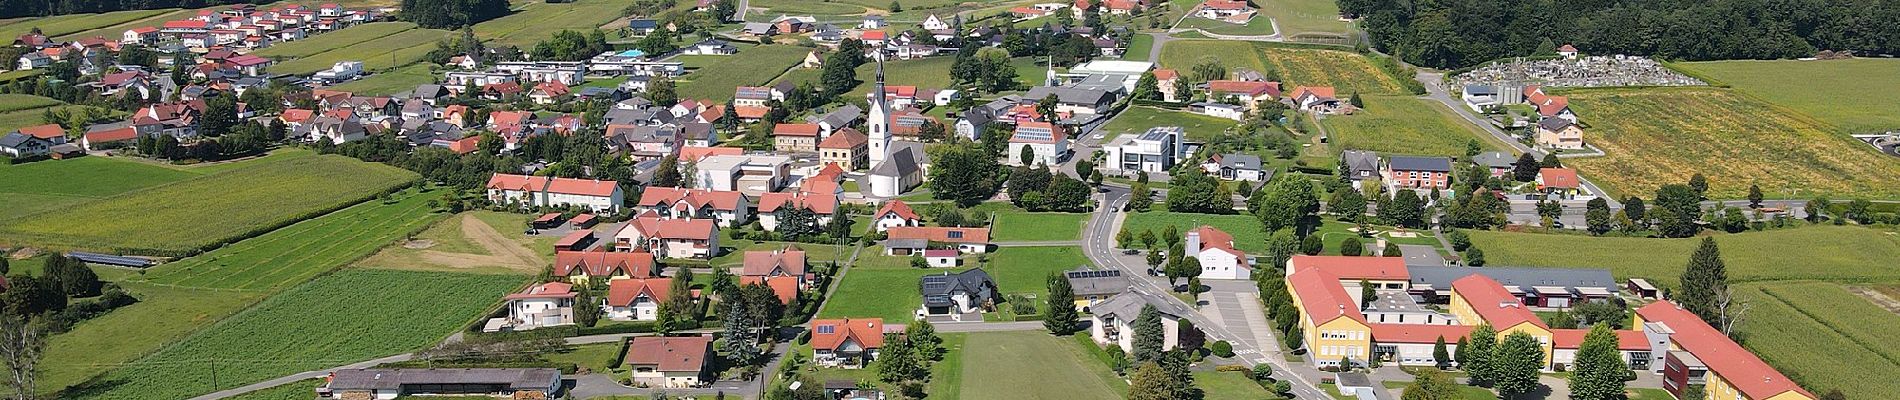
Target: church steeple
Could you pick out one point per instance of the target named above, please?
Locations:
(1049, 79)
(879, 121)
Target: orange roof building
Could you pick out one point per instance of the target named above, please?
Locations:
(540, 191)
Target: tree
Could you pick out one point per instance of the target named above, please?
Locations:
(219, 116)
(1062, 318)
(1027, 156)
(1431, 385)
(1700, 185)
(22, 344)
(1281, 246)
(1311, 245)
(1148, 334)
(1406, 209)
(1476, 358)
(1148, 239)
(1474, 257)
(896, 8)
(1597, 215)
(1148, 88)
(1351, 246)
(1284, 203)
(71, 276)
(1702, 281)
(5, 267)
(1459, 240)
(1440, 357)
(1637, 212)
(1600, 369)
(1525, 169)
(1462, 354)
(964, 174)
(1123, 239)
(924, 341)
(1515, 365)
(1754, 196)
(1140, 199)
(1348, 203)
(1356, 101)
(660, 91)
(1149, 382)
(1391, 250)
(1367, 294)
(667, 174)
(898, 361)
(1816, 209)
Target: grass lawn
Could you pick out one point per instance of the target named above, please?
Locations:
(1405, 125)
(299, 390)
(71, 23)
(389, 82)
(801, 7)
(17, 102)
(1139, 47)
(1230, 385)
(1014, 226)
(1345, 71)
(1650, 394)
(382, 53)
(345, 37)
(1246, 228)
(91, 177)
(1465, 392)
(1838, 253)
(249, 200)
(886, 287)
(1832, 91)
(752, 66)
(1024, 269)
(1789, 319)
(1258, 26)
(1305, 16)
(593, 357)
(1659, 136)
(1137, 119)
(336, 319)
(814, 253)
(1033, 365)
(162, 316)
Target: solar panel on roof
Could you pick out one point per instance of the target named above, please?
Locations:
(956, 234)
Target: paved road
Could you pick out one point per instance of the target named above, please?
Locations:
(1231, 318)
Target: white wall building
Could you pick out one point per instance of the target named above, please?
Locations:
(541, 191)
(1154, 151)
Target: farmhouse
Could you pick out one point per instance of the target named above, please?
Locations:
(1225, 10)
(895, 213)
(669, 362)
(391, 383)
(540, 305)
(821, 206)
(581, 267)
(1215, 251)
(1113, 320)
(1092, 286)
(1247, 93)
(1559, 133)
(540, 191)
(637, 299)
(904, 240)
(848, 343)
(957, 297)
(18, 145)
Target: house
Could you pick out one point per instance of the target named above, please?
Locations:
(729, 208)
(1153, 151)
(549, 92)
(933, 23)
(773, 204)
(1219, 110)
(669, 362)
(1420, 174)
(53, 134)
(786, 288)
(342, 71)
(974, 121)
(642, 26)
(1246, 93)
(141, 35)
(673, 238)
(540, 305)
(1073, 100)
(108, 136)
(752, 174)
(751, 96)
(1226, 10)
(788, 262)
(540, 191)
(895, 213)
(1112, 321)
(839, 118)
(1360, 166)
(944, 258)
(637, 299)
(1549, 106)
(1559, 183)
(904, 240)
(1215, 250)
(1047, 142)
(1559, 133)
(795, 137)
(872, 22)
(845, 148)
(1319, 99)
(518, 383)
(19, 145)
(1500, 164)
(1236, 167)
(790, 24)
(957, 296)
(1567, 51)
(759, 29)
(848, 343)
(826, 181)
(1092, 286)
(711, 47)
(583, 267)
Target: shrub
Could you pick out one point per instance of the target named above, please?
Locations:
(1459, 241)
(1222, 349)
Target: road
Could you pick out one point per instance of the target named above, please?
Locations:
(1099, 248)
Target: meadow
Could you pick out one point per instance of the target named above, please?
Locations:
(1305, 16)
(337, 319)
(299, 390)
(1345, 71)
(534, 21)
(1834, 253)
(28, 189)
(886, 287)
(1033, 365)
(383, 53)
(17, 102)
(1405, 125)
(753, 66)
(1833, 91)
(1258, 26)
(1659, 136)
(71, 23)
(1137, 119)
(1139, 47)
(114, 32)
(390, 81)
(802, 7)
(14, 120)
(163, 315)
(1017, 226)
(486, 242)
(345, 37)
(1788, 321)
(246, 201)
(1245, 228)
(287, 256)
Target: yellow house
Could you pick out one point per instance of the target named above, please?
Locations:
(1700, 354)
(1478, 298)
(1387, 273)
(580, 267)
(1330, 323)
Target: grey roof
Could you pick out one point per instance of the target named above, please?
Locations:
(1111, 83)
(1481, 90)
(903, 160)
(1522, 278)
(395, 379)
(1240, 161)
(938, 288)
(429, 90)
(758, 28)
(1410, 163)
(1128, 305)
(1069, 94)
(1092, 282)
(905, 243)
(979, 116)
(841, 117)
(642, 23)
(14, 139)
(1360, 160)
(696, 131)
(1553, 124)
(1494, 159)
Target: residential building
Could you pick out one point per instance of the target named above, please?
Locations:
(1421, 174)
(895, 213)
(540, 191)
(637, 299)
(1236, 167)
(845, 148)
(582, 267)
(1246, 93)
(1499, 164)
(1215, 251)
(1093, 286)
(1225, 10)
(1319, 99)
(711, 47)
(788, 262)
(1559, 133)
(18, 145)
(1218, 110)
(730, 208)
(1549, 106)
(669, 362)
(1112, 321)
(848, 343)
(904, 240)
(786, 288)
(957, 296)
(540, 305)
(674, 238)
(1154, 151)
(519, 383)
(752, 174)
(945, 258)
(1049, 144)
(795, 137)
(1560, 184)
(820, 205)
(1164, 80)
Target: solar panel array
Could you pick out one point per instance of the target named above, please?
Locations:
(1105, 273)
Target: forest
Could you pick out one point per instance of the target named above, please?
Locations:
(1462, 33)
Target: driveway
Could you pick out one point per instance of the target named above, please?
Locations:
(1421, 255)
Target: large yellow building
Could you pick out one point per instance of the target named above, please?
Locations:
(1700, 354)
(1330, 322)
(1477, 298)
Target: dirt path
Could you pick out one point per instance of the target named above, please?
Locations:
(1879, 299)
(502, 251)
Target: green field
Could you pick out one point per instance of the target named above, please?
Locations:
(1405, 125)
(163, 315)
(349, 316)
(299, 390)
(195, 214)
(17, 102)
(389, 82)
(28, 189)
(1787, 322)
(345, 37)
(285, 257)
(1835, 253)
(379, 54)
(929, 73)
(1304, 16)
(1655, 137)
(14, 120)
(1016, 226)
(72, 23)
(1137, 119)
(803, 7)
(1258, 26)
(753, 66)
(1833, 91)
(1034, 365)
(1246, 228)
(114, 32)
(1024, 269)
(1346, 72)
(886, 287)
(1139, 47)
(535, 21)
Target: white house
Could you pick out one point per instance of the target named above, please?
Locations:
(1113, 321)
(730, 208)
(1154, 151)
(933, 23)
(669, 362)
(1235, 167)
(771, 204)
(895, 213)
(541, 305)
(945, 258)
(1215, 250)
(675, 238)
(1047, 141)
(637, 299)
(541, 191)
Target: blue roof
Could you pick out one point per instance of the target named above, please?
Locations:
(632, 53)
(108, 259)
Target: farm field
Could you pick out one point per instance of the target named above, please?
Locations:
(1405, 125)
(163, 315)
(383, 53)
(294, 254)
(800, 7)
(1245, 228)
(751, 67)
(1835, 253)
(72, 23)
(1305, 16)
(1832, 91)
(487, 242)
(1137, 119)
(389, 82)
(17, 102)
(336, 319)
(1662, 136)
(248, 201)
(299, 390)
(1788, 320)
(1033, 365)
(86, 177)
(1258, 26)
(1346, 72)
(334, 40)
(534, 21)
(114, 32)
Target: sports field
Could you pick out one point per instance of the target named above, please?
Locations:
(1833, 91)
(1657, 136)
(1346, 72)
(1836, 253)
(1788, 321)
(1405, 125)
(1137, 119)
(753, 66)
(177, 218)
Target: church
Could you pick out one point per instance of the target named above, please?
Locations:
(896, 167)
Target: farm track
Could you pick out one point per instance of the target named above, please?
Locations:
(502, 251)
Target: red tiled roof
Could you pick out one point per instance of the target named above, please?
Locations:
(1493, 303)
(47, 131)
(637, 264)
(941, 234)
(751, 112)
(789, 261)
(1324, 92)
(1225, 5)
(844, 139)
(621, 292)
(873, 35)
(1567, 48)
(1573, 338)
(1418, 333)
(1249, 88)
(1322, 297)
(669, 354)
(247, 60)
(1550, 106)
(145, 30)
(810, 130)
(1215, 239)
(784, 286)
(466, 145)
(573, 238)
(1734, 364)
(112, 135)
(694, 153)
(1562, 178)
(1056, 135)
(1354, 268)
(717, 199)
(688, 229)
(584, 187)
(940, 253)
(548, 290)
(828, 334)
(187, 24)
(818, 203)
(896, 206)
(1166, 74)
